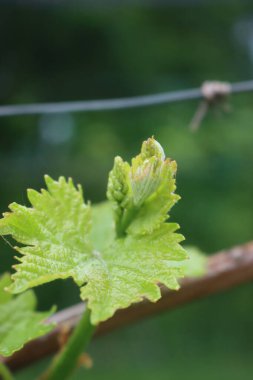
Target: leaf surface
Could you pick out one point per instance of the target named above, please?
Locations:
(55, 232)
(131, 270)
(19, 323)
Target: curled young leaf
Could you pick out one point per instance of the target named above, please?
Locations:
(146, 171)
(149, 194)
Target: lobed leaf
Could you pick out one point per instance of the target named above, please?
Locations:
(55, 232)
(131, 270)
(19, 323)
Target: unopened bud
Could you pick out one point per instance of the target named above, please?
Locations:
(146, 171)
(151, 148)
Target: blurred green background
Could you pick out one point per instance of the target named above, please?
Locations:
(56, 51)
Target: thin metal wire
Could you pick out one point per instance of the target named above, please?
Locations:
(113, 104)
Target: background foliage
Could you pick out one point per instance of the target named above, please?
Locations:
(54, 53)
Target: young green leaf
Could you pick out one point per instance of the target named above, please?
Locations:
(131, 269)
(103, 227)
(55, 232)
(115, 264)
(19, 323)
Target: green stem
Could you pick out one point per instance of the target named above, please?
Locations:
(126, 220)
(5, 373)
(66, 361)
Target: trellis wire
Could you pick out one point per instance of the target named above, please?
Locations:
(117, 103)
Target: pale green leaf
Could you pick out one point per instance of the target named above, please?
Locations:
(154, 211)
(103, 226)
(131, 270)
(4, 283)
(55, 232)
(19, 323)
